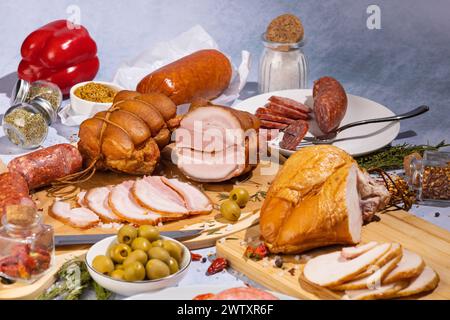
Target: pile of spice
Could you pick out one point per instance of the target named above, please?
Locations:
(286, 28)
(25, 128)
(96, 92)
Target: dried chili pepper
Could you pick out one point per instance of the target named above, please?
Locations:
(216, 266)
(196, 257)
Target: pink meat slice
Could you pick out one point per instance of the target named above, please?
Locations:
(196, 201)
(155, 195)
(97, 200)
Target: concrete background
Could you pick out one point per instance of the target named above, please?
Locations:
(403, 65)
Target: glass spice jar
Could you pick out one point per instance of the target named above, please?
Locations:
(430, 177)
(26, 124)
(282, 66)
(26, 245)
(25, 91)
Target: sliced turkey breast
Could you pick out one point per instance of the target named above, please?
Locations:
(122, 203)
(196, 201)
(80, 198)
(153, 194)
(411, 265)
(370, 281)
(428, 280)
(97, 200)
(331, 269)
(396, 251)
(81, 218)
(381, 292)
(353, 252)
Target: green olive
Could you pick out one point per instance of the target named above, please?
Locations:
(159, 253)
(240, 196)
(135, 271)
(150, 233)
(157, 243)
(141, 244)
(127, 234)
(119, 252)
(173, 249)
(230, 210)
(156, 269)
(139, 255)
(119, 266)
(173, 265)
(103, 264)
(118, 274)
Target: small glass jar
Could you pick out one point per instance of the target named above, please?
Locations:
(26, 124)
(25, 91)
(282, 66)
(27, 247)
(430, 177)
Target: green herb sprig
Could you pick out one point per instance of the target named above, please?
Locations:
(391, 157)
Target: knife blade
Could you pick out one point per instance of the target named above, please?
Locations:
(69, 240)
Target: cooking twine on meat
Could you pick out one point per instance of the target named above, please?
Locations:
(65, 187)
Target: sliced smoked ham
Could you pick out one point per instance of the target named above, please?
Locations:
(123, 204)
(426, 281)
(411, 265)
(331, 269)
(81, 218)
(216, 143)
(153, 194)
(196, 201)
(97, 200)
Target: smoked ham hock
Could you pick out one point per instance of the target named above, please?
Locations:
(320, 197)
(216, 143)
(128, 137)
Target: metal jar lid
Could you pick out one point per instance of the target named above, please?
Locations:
(20, 91)
(47, 110)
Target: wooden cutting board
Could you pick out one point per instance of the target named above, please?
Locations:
(215, 226)
(417, 235)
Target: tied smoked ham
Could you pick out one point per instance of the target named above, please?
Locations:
(216, 143)
(314, 201)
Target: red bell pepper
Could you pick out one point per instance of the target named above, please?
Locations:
(59, 54)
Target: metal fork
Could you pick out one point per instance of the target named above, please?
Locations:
(331, 137)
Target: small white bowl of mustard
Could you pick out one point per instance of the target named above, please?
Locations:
(92, 96)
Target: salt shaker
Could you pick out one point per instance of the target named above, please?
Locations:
(282, 66)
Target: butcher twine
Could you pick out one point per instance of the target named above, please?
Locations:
(60, 188)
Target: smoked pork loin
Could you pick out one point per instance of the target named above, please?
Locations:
(217, 143)
(315, 201)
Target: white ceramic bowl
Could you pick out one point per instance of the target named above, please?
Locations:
(126, 288)
(84, 107)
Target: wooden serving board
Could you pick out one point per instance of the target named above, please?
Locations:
(215, 226)
(415, 234)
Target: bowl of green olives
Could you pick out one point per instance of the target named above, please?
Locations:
(138, 260)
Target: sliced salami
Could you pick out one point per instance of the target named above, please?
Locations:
(273, 125)
(274, 118)
(283, 111)
(290, 103)
(294, 134)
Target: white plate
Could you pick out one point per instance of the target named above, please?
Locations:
(190, 292)
(356, 141)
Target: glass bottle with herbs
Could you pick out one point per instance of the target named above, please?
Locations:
(26, 124)
(25, 91)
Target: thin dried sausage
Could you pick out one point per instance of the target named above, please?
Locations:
(294, 134)
(273, 125)
(44, 166)
(262, 114)
(330, 103)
